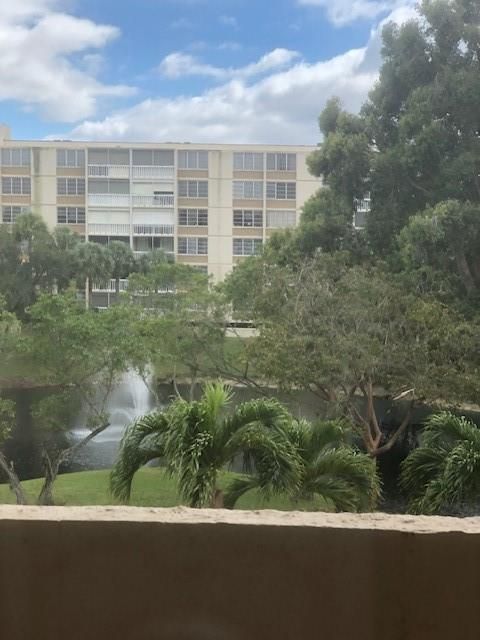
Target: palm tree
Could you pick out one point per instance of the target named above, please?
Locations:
(443, 473)
(93, 264)
(198, 439)
(122, 262)
(332, 469)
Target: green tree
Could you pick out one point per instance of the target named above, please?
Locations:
(445, 239)
(331, 468)
(199, 439)
(191, 319)
(81, 355)
(32, 260)
(123, 262)
(415, 142)
(443, 474)
(94, 265)
(346, 333)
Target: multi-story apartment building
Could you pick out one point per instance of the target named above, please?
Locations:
(209, 205)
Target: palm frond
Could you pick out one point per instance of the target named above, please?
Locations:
(143, 441)
(345, 477)
(237, 488)
(263, 411)
(443, 473)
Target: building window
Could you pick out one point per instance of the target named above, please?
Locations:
(247, 161)
(193, 160)
(247, 246)
(70, 158)
(16, 186)
(193, 188)
(281, 162)
(153, 158)
(281, 190)
(247, 218)
(109, 156)
(16, 157)
(104, 186)
(70, 215)
(71, 186)
(11, 213)
(247, 190)
(193, 246)
(193, 217)
(281, 219)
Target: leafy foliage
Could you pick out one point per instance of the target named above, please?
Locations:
(198, 439)
(443, 474)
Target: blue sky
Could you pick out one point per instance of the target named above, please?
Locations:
(198, 70)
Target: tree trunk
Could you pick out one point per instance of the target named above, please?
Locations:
(217, 500)
(13, 480)
(464, 269)
(52, 466)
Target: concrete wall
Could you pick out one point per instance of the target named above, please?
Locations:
(144, 574)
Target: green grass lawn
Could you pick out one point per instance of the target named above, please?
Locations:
(151, 488)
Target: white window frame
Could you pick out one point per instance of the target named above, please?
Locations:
(70, 158)
(192, 246)
(193, 217)
(197, 160)
(281, 218)
(281, 161)
(248, 161)
(281, 190)
(249, 218)
(246, 246)
(7, 157)
(72, 215)
(16, 186)
(193, 188)
(247, 190)
(10, 213)
(73, 186)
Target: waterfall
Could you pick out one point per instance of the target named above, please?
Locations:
(129, 400)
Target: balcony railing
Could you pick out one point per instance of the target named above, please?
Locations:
(108, 200)
(152, 173)
(98, 229)
(363, 206)
(108, 171)
(161, 201)
(109, 287)
(153, 229)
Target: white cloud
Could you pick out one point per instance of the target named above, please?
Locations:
(37, 41)
(342, 12)
(228, 21)
(282, 107)
(177, 65)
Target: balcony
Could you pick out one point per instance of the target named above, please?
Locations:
(363, 206)
(109, 200)
(236, 574)
(108, 171)
(153, 229)
(160, 201)
(152, 173)
(97, 229)
(109, 287)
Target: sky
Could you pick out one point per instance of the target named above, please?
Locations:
(245, 71)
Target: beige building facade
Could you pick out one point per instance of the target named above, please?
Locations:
(208, 205)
